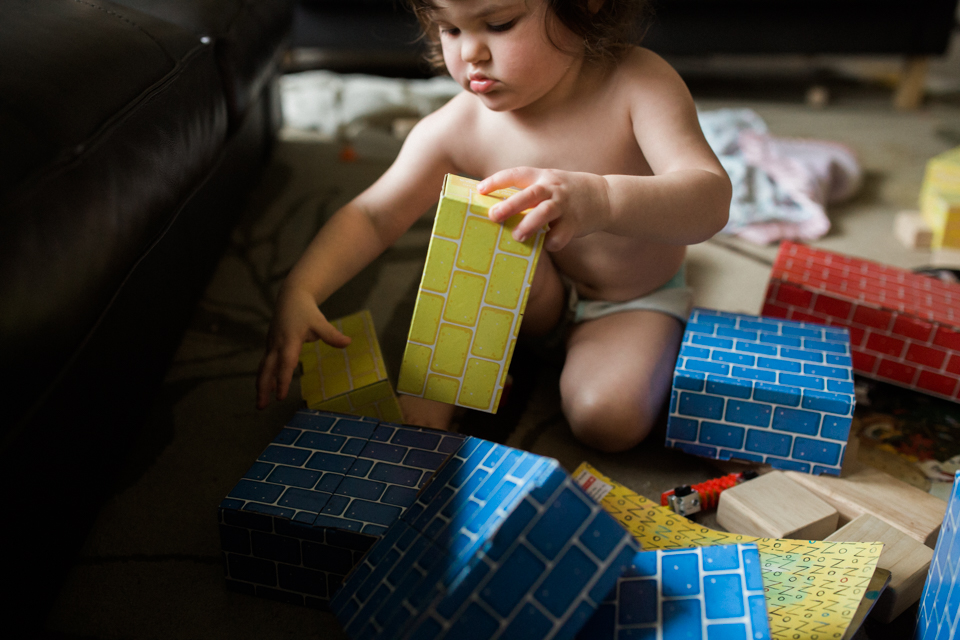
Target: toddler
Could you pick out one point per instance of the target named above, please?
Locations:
(602, 140)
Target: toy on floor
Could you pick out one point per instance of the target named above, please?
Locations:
(803, 580)
(940, 199)
(702, 592)
(352, 380)
(470, 303)
(904, 327)
(773, 506)
(762, 390)
(501, 543)
(939, 617)
(687, 499)
(317, 498)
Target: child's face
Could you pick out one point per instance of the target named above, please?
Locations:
(499, 49)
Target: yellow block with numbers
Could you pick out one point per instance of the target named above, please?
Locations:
(471, 300)
(351, 380)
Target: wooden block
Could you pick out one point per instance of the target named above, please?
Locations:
(774, 506)
(912, 230)
(915, 512)
(906, 559)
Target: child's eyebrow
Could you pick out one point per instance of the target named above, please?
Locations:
(484, 11)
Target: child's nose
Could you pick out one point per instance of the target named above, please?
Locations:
(473, 49)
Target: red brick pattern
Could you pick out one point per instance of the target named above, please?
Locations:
(904, 327)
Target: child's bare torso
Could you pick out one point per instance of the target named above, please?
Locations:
(592, 134)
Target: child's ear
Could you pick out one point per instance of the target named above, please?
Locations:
(594, 5)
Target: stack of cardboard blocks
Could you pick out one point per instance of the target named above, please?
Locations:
(318, 497)
(762, 390)
(939, 617)
(502, 543)
(352, 380)
(940, 199)
(471, 300)
(904, 327)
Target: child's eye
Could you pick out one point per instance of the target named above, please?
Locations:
(449, 31)
(504, 26)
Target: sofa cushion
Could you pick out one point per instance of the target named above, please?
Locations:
(110, 117)
(247, 35)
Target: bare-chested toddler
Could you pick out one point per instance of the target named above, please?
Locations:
(602, 139)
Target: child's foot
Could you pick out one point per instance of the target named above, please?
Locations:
(421, 412)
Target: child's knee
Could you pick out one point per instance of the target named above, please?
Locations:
(607, 421)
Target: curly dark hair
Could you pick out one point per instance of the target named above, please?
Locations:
(606, 34)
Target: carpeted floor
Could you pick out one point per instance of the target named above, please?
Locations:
(150, 567)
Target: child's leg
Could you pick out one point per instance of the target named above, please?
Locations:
(617, 376)
(544, 309)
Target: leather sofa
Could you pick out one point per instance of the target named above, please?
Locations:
(131, 132)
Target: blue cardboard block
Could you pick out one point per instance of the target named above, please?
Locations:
(939, 615)
(763, 390)
(713, 593)
(318, 497)
(501, 543)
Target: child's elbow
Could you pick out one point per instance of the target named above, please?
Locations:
(718, 210)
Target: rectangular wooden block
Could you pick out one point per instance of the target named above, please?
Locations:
(911, 510)
(774, 506)
(906, 559)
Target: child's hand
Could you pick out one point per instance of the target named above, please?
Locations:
(296, 320)
(573, 204)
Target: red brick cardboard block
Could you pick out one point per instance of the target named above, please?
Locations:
(904, 327)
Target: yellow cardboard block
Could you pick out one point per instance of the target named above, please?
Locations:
(940, 198)
(470, 303)
(352, 380)
(813, 589)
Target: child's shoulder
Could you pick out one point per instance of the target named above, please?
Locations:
(649, 79)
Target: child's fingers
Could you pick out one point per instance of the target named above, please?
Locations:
(526, 199)
(541, 215)
(518, 177)
(266, 379)
(329, 334)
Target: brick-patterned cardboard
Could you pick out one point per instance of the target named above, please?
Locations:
(502, 543)
(352, 380)
(904, 327)
(939, 616)
(318, 497)
(711, 592)
(762, 390)
(470, 302)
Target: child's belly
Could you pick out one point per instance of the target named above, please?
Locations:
(607, 267)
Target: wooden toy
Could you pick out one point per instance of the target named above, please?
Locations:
(906, 559)
(762, 390)
(915, 512)
(773, 506)
(940, 199)
(939, 616)
(352, 380)
(470, 303)
(317, 498)
(912, 230)
(501, 544)
(803, 580)
(904, 327)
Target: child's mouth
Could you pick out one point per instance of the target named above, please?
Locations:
(481, 85)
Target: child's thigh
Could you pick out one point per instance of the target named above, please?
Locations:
(547, 301)
(626, 357)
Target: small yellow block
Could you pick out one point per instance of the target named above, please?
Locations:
(471, 300)
(352, 380)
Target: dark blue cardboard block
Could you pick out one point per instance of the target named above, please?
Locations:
(318, 497)
(763, 390)
(939, 615)
(501, 543)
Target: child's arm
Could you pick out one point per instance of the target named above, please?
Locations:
(686, 201)
(353, 237)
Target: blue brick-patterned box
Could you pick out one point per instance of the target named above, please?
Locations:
(502, 543)
(939, 616)
(713, 593)
(763, 390)
(318, 497)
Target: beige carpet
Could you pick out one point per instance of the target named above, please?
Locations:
(151, 566)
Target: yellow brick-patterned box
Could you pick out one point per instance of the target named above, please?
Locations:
(471, 301)
(940, 198)
(352, 380)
